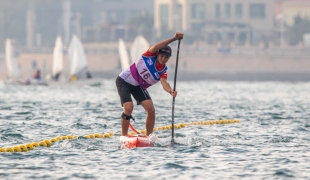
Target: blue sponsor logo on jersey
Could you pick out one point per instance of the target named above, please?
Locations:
(156, 74)
(149, 61)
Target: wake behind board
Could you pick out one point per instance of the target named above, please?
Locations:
(136, 141)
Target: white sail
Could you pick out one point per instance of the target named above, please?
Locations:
(77, 57)
(57, 57)
(123, 54)
(139, 46)
(12, 66)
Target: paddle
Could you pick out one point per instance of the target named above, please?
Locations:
(174, 88)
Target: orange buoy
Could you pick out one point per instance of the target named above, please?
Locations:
(53, 140)
(29, 146)
(35, 144)
(91, 136)
(58, 138)
(98, 135)
(9, 149)
(23, 148)
(48, 143)
(106, 135)
(42, 143)
(17, 149)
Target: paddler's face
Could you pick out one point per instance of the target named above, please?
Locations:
(162, 58)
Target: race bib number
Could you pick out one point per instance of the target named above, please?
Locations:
(145, 74)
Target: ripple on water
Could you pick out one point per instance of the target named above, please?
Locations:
(284, 173)
(271, 142)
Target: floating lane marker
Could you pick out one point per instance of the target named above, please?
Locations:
(47, 143)
(17, 149)
(42, 143)
(92, 136)
(35, 144)
(23, 148)
(29, 146)
(9, 149)
(53, 140)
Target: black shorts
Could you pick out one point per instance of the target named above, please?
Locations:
(125, 90)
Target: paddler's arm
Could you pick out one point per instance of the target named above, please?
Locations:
(164, 43)
(167, 87)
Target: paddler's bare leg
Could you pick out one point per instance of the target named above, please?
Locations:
(128, 108)
(150, 115)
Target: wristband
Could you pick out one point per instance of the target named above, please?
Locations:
(174, 39)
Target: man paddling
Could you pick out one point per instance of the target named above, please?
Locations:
(149, 69)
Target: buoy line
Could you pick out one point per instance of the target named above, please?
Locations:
(48, 142)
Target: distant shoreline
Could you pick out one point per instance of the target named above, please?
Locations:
(242, 76)
(241, 64)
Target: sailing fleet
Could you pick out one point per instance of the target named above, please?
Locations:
(138, 47)
(11, 63)
(57, 66)
(123, 54)
(77, 60)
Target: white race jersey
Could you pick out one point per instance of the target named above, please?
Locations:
(143, 72)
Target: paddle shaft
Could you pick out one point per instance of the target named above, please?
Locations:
(174, 88)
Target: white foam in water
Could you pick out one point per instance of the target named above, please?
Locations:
(152, 138)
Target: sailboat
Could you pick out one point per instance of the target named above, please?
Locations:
(78, 65)
(11, 63)
(139, 46)
(123, 54)
(77, 58)
(13, 69)
(57, 67)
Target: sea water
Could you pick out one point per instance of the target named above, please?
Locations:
(270, 142)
